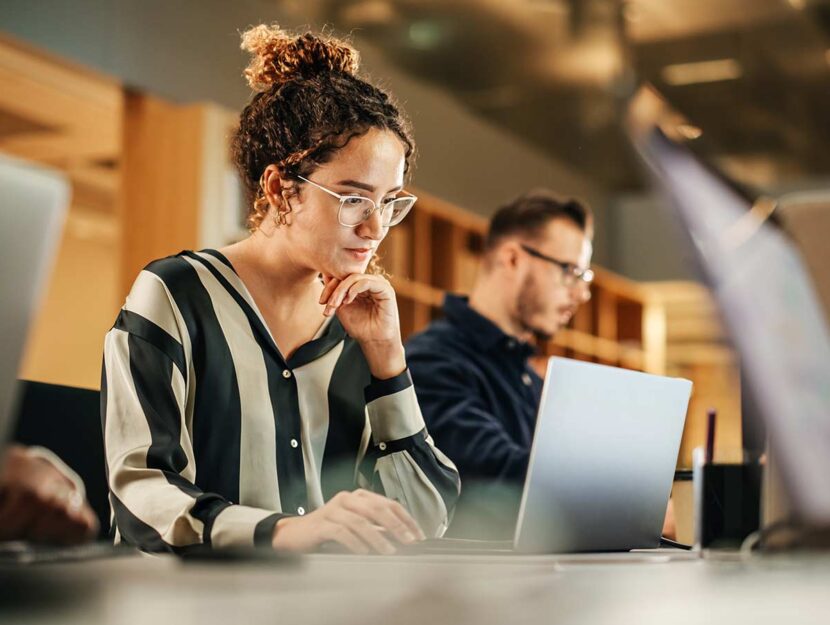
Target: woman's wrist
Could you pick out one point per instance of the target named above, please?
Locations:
(386, 358)
(279, 540)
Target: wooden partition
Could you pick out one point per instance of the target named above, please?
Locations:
(180, 188)
(162, 179)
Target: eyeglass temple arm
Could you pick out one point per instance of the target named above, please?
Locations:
(311, 182)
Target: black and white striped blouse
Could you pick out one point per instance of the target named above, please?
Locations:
(212, 436)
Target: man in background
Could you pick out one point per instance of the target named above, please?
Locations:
(477, 390)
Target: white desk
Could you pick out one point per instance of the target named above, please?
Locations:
(426, 590)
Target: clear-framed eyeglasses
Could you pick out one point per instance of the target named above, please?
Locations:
(355, 209)
(571, 274)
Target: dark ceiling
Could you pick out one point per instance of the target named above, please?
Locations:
(752, 75)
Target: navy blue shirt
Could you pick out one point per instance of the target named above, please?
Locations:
(479, 397)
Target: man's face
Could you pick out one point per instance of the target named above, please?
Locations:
(547, 299)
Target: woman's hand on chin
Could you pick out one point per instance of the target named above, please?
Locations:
(368, 310)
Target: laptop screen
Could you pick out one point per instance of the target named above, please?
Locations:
(770, 308)
(33, 202)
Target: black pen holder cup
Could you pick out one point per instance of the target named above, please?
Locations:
(727, 502)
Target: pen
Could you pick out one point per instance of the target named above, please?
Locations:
(710, 435)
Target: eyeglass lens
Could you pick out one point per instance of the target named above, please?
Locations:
(355, 210)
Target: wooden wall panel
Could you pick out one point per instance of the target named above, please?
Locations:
(66, 340)
(162, 172)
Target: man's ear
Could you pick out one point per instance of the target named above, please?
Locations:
(508, 255)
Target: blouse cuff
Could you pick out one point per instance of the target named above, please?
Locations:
(240, 526)
(393, 408)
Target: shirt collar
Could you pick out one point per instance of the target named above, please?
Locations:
(481, 331)
(327, 337)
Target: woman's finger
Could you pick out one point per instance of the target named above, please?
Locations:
(341, 286)
(351, 297)
(374, 285)
(329, 285)
(401, 512)
(336, 298)
(344, 535)
(367, 531)
(350, 287)
(379, 513)
(394, 507)
(356, 289)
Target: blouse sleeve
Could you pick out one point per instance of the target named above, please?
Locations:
(402, 461)
(150, 462)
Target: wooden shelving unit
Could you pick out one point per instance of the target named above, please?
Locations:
(433, 251)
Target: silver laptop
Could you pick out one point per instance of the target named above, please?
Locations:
(33, 204)
(601, 465)
(603, 459)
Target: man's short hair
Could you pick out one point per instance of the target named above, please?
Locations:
(528, 214)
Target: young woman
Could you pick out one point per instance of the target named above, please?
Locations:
(259, 394)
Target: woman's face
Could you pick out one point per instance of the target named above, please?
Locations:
(370, 165)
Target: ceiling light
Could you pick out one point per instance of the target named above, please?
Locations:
(798, 5)
(426, 34)
(701, 72)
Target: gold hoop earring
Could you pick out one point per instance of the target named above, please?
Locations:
(262, 205)
(283, 211)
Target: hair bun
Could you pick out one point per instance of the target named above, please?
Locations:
(277, 56)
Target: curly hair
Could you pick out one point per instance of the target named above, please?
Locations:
(308, 103)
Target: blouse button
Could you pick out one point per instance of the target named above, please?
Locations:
(527, 379)
(382, 446)
(301, 511)
(294, 443)
(286, 374)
